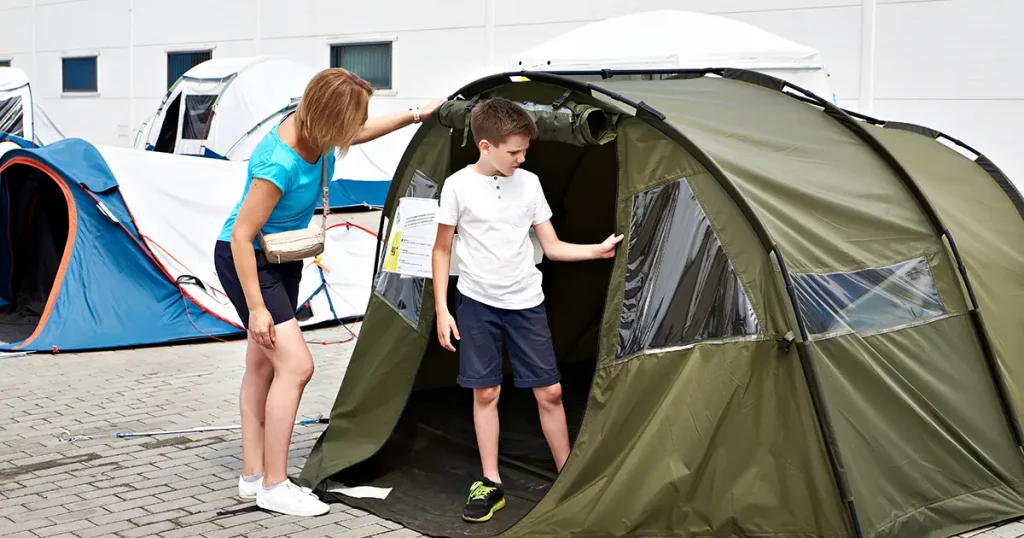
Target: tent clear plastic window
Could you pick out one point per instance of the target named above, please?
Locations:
(680, 286)
(404, 293)
(198, 109)
(871, 300)
(11, 116)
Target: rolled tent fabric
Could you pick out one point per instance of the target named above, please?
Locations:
(567, 121)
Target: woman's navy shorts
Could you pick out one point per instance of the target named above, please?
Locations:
(480, 352)
(279, 283)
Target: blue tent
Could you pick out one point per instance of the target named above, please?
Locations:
(8, 137)
(74, 272)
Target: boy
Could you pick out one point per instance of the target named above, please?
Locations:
(493, 204)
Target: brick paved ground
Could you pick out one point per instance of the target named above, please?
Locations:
(170, 486)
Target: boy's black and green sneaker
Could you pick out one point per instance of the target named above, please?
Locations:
(485, 498)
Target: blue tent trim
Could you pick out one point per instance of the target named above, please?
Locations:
(209, 154)
(109, 291)
(350, 194)
(17, 140)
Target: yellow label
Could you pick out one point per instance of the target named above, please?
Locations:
(391, 258)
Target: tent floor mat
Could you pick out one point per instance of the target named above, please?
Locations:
(15, 328)
(431, 459)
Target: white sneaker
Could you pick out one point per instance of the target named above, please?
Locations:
(247, 490)
(288, 498)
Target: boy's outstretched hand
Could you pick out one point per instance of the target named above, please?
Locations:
(446, 329)
(607, 248)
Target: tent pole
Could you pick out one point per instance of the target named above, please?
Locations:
(821, 411)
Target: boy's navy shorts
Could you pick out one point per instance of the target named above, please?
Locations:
(279, 284)
(480, 352)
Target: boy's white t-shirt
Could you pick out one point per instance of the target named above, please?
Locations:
(493, 216)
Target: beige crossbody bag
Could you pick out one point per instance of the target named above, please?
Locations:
(284, 247)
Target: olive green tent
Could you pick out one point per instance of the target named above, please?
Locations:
(814, 327)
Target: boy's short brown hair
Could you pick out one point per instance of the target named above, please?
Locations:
(497, 118)
(333, 109)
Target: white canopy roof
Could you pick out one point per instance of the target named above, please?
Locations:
(20, 114)
(12, 78)
(670, 39)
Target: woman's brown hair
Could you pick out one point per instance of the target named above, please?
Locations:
(333, 109)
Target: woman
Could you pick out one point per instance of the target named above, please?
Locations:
(281, 195)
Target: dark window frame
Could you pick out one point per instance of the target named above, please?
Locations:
(335, 60)
(193, 57)
(80, 88)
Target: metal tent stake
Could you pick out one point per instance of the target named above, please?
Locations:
(318, 420)
(66, 436)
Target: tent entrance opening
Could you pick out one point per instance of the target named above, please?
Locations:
(431, 458)
(169, 127)
(35, 235)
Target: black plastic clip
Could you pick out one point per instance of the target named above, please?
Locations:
(558, 102)
(646, 109)
(786, 342)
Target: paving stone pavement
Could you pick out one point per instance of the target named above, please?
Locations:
(169, 485)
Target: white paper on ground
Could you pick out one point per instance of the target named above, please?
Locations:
(362, 492)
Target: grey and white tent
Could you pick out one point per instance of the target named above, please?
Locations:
(20, 114)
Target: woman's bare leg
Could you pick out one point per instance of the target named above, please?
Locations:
(252, 401)
(293, 368)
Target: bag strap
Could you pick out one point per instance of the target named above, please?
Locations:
(327, 206)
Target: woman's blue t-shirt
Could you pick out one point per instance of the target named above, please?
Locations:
(298, 179)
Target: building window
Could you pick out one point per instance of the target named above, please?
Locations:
(371, 61)
(80, 74)
(178, 63)
(5, 63)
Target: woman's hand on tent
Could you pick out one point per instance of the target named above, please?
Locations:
(446, 329)
(261, 326)
(429, 108)
(607, 248)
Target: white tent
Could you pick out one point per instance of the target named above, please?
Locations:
(213, 107)
(20, 114)
(669, 39)
(179, 205)
(230, 104)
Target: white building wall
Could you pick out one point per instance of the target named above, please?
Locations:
(955, 65)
